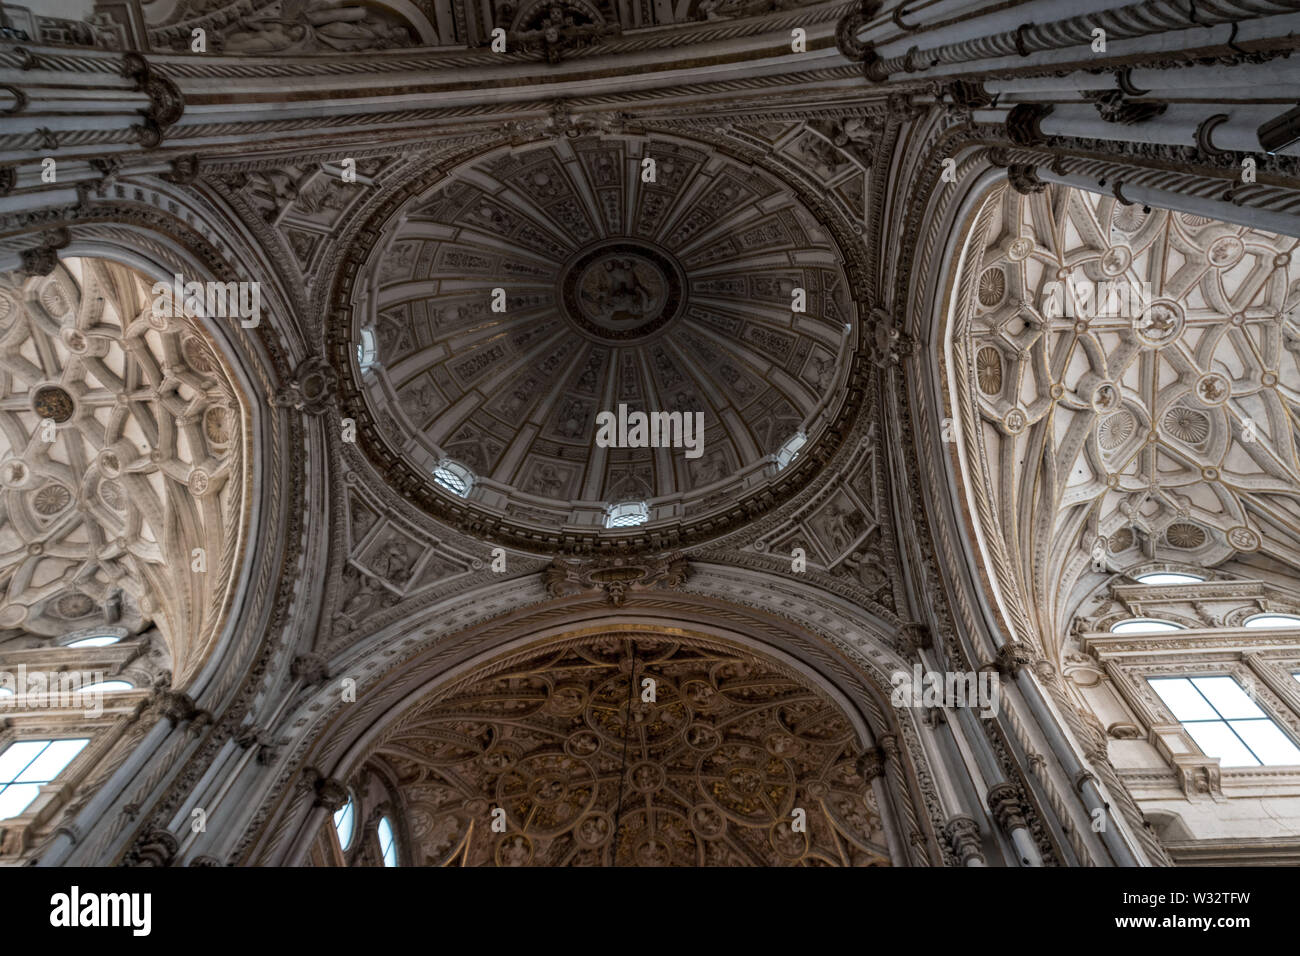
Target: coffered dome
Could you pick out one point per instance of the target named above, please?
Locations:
(628, 271)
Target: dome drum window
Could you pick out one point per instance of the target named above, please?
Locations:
(627, 514)
(1144, 625)
(789, 451)
(367, 350)
(1162, 578)
(454, 476)
(1272, 621)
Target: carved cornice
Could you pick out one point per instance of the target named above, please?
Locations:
(617, 577)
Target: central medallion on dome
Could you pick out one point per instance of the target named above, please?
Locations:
(621, 290)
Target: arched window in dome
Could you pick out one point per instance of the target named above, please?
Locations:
(1144, 625)
(454, 476)
(345, 822)
(1168, 577)
(1272, 621)
(789, 451)
(367, 350)
(627, 514)
(387, 842)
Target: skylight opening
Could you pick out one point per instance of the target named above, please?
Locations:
(627, 514)
(94, 642)
(367, 350)
(1272, 620)
(454, 476)
(789, 451)
(1144, 625)
(1168, 577)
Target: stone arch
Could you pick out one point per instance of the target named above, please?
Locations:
(137, 745)
(346, 735)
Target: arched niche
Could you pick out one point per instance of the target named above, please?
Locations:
(872, 738)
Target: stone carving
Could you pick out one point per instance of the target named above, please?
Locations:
(964, 834)
(617, 577)
(310, 669)
(1114, 107)
(312, 388)
(557, 29)
(43, 260)
(696, 288)
(709, 771)
(1149, 454)
(139, 400)
(166, 104)
(158, 848)
(315, 26)
(1008, 811)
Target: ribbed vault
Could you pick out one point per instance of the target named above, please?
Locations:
(1098, 434)
(716, 769)
(122, 460)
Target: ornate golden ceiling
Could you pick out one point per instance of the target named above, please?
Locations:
(122, 451)
(649, 272)
(1119, 434)
(589, 772)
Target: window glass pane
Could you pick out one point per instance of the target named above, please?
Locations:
(627, 514)
(56, 756)
(94, 642)
(16, 798)
(343, 824)
(1273, 620)
(17, 756)
(1168, 577)
(1271, 745)
(1143, 626)
(1217, 740)
(386, 844)
(1183, 699)
(1227, 697)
